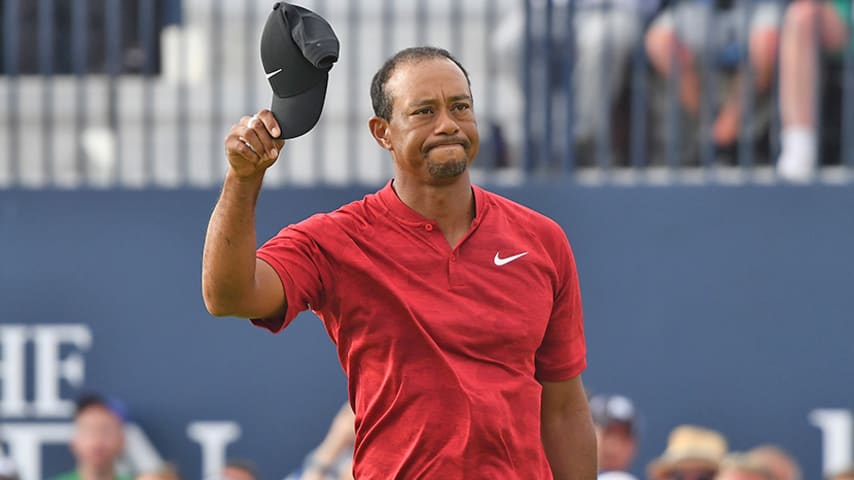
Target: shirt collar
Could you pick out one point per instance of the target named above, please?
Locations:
(399, 209)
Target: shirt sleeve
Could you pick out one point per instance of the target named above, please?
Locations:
(563, 352)
(302, 267)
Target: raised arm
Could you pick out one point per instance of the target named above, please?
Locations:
(234, 282)
(567, 430)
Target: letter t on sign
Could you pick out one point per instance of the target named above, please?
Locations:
(213, 438)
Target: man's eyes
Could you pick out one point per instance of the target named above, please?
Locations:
(429, 110)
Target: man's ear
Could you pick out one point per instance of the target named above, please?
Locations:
(379, 130)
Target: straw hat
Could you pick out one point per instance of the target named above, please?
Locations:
(690, 446)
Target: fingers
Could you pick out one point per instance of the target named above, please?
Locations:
(266, 118)
(235, 145)
(252, 139)
(251, 146)
(269, 121)
(267, 129)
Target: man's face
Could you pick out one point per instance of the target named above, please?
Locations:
(689, 473)
(739, 475)
(432, 134)
(98, 439)
(617, 447)
(780, 466)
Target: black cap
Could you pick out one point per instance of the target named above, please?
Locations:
(298, 48)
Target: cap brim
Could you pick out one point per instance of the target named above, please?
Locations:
(298, 114)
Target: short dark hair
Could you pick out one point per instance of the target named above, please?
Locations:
(380, 98)
(90, 400)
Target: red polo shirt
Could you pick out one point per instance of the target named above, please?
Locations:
(443, 347)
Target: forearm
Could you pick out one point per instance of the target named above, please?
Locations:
(570, 445)
(340, 436)
(228, 264)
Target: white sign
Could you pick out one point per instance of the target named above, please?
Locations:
(29, 424)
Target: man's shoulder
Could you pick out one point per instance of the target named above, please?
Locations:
(350, 216)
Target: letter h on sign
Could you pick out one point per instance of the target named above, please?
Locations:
(49, 368)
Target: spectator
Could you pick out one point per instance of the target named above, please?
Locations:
(615, 420)
(846, 474)
(740, 466)
(98, 439)
(237, 469)
(164, 472)
(333, 458)
(692, 453)
(778, 461)
(603, 33)
(808, 25)
(688, 29)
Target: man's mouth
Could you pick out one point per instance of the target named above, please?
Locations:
(449, 144)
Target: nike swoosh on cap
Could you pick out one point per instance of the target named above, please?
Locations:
(273, 73)
(504, 261)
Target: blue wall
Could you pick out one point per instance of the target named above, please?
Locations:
(727, 307)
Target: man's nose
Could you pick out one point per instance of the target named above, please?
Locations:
(445, 123)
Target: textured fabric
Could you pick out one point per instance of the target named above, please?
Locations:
(443, 347)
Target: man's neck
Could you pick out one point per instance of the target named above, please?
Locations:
(95, 474)
(451, 206)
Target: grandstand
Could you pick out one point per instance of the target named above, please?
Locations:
(155, 111)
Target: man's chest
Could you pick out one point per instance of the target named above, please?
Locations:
(484, 294)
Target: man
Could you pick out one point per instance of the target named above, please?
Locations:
(598, 36)
(456, 312)
(615, 420)
(692, 453)
(809, 28)
(687, 30)
(776, 460)
(740, 466)
(98, 439)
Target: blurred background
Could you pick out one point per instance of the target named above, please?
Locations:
(698, 153)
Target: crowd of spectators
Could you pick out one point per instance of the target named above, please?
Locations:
(724, 77)
(692, 452)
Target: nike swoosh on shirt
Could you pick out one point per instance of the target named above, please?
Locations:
(504, 261)
(273, 74)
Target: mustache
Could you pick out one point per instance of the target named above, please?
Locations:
(448, 141)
